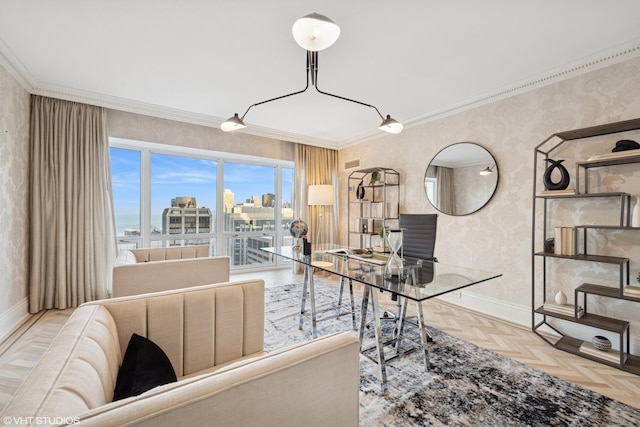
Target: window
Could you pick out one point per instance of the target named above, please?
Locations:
(171, 196)
(183, 195)
(125, 182)
(430, 189)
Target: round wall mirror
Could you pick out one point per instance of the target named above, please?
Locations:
(461, 179)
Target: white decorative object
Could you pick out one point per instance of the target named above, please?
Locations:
(635, 215)
(561, 298)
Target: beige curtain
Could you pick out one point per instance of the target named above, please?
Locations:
(72, 228)
(316, 165)
(444, 186)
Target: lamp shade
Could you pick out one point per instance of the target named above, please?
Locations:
(391, 125)
(315, 32)
(320, 195)
(232, 123)
(487, 171)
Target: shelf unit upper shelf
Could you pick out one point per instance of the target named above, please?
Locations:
(622, 159)
(587, 257)
(581, 196)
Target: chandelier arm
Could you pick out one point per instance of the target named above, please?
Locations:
(281, 96)
(348, 99)
(314, 79)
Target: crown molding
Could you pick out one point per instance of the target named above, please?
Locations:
(15, 67)
(594, 62)
(600, 60)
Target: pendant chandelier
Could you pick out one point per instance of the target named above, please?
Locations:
(313, 32)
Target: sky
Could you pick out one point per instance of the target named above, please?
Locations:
(173, 176)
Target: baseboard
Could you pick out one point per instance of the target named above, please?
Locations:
(509, 312)
(521, 316)
(13, 318)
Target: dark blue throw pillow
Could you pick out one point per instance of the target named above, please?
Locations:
(144, 367)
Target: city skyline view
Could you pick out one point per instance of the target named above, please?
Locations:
(176, 176)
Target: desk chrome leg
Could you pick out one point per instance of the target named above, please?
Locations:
(424, 334)
(363, 314)
(379, 342)
(353, 305)
(312, 300)
(340, 291)
(307, 286)
(401, 313)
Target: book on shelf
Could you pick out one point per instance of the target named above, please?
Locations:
(632, 291)
(611, 355)
(564, 241)
(557, 192)
(566, 309)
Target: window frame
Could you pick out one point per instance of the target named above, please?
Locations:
(146, 238)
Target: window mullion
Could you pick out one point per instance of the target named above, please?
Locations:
(145, 197)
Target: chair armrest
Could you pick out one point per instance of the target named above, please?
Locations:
(145, 277)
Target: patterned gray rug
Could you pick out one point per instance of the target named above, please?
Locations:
(466, 386)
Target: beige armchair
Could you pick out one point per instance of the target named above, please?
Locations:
(146, 270)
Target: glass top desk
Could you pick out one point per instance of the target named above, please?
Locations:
(419, 281)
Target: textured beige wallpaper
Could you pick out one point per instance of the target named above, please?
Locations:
(498, 237)
(14, 191)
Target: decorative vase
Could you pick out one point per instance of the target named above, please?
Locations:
(564, 176)
(561, 298)
(635, 214)
(360, 191)
(375, 176)
(601, 343)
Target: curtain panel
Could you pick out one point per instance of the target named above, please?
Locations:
(72, 226)
(446, 192)
(316, 165)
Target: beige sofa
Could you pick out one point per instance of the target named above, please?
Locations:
(141, 271)
(213, 336)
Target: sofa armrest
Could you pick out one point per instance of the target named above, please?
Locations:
(146, 277)
(313, 384)
(197, 327)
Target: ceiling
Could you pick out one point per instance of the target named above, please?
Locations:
(201, 61)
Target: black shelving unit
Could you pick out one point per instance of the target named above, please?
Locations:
(620, 327)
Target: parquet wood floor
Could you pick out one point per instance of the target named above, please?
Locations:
(20, 352)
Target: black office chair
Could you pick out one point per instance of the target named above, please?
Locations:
(418, 241)
(419, 237)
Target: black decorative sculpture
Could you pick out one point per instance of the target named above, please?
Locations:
(564, 176)
(360, 191)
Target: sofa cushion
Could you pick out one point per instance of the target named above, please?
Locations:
(144, 367)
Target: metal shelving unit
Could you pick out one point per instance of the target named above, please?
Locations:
(378, 207)
(627, 361)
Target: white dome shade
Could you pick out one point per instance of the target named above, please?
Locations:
(315, 32)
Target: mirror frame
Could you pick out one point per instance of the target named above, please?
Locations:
(493, 192)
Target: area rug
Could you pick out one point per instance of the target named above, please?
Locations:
(466, 385)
